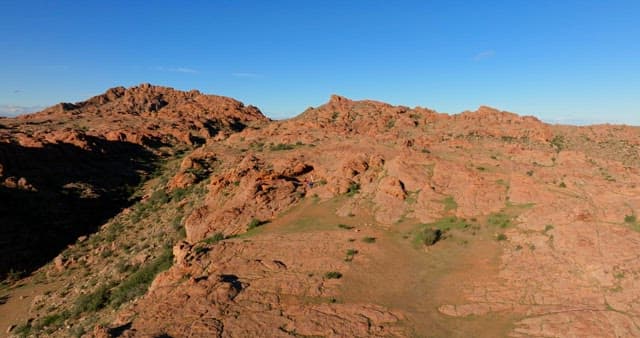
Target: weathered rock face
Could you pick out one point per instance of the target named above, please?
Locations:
(240, 289)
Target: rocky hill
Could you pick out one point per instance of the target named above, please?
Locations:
(355, 218)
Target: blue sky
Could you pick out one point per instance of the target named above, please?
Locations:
(574, 61)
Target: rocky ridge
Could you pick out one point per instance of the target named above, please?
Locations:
(549, 209)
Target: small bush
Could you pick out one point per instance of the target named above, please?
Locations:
(353, 189)
(333, 275)
(501, 237)
(254, 223)
(350, 254)
(369, 239)
(345, 226)
(630, 219)
(562, 185)
(548, 227)
(431, 236)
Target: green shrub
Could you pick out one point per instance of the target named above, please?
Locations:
(630, 219)
(501, 237)
(562, 185)
(350, 254)
(254, 223)
(353, 189)
(345, 226)
(369, 239)
(333, 275)
(431, 236)
(281, 146)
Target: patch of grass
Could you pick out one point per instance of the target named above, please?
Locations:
(449, 203)
(94, 301)
(369, 239)
(138, 282)
(159, 197)
(200, 249)
(53, 321)
(217, 237)
(499, 219)
(447, 223)
(501, 237)
(284, 146)
(345, 226)
(333, 275)
(179, 194)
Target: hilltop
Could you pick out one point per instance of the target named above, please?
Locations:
(167, 213)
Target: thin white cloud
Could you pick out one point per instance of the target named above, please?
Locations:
(13, 110)
(245, 75)
(185, 70)
(486, 54)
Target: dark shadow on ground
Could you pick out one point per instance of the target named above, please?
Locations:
(77, 191)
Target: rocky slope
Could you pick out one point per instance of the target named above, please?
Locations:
(356, 218)
(66, 170)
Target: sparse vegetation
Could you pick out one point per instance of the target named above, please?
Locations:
(350, 254)
(138, 282)
(333, 275)
(499, 219)
(94, 301)
(558, 143)
(217, 237)
(501, 237)
(369, 239)
(353, 189)
(254, 223)
(449, 203)
(345, 226)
